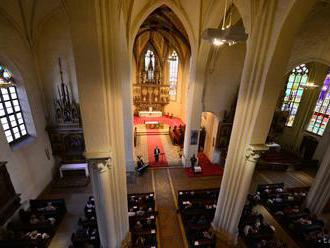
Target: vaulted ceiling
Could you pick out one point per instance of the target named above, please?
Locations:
(28, 15)
(165, 21)
(164, 24)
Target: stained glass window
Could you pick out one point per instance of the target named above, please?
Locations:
(173, 74)
(11, 116)
(294, 91)
(320, 117)
(149, 64)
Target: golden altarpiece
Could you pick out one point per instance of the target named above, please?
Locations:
(150, 93)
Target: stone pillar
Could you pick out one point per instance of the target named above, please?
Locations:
(273, 25)
(252, 155)
(319, 194)
(111, 202)
(98, 33)
(193, 114)
(104, 200)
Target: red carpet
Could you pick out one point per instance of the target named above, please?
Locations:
(153, 141)
(208, 168)
(163, 119)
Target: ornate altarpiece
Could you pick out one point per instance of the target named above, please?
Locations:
(150, 91)
(66, 135)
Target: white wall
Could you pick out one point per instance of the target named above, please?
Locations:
(54, 42)
(28, 166)
(223, 78)
(211, 122)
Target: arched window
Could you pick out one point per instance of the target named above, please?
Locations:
(294, 91)
(173, 61)
(11, 116)
(149, 64)
(321, 114)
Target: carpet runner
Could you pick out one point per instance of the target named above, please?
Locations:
(208, 168)
(153, 141)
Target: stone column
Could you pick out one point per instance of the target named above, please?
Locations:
(98, 33)
(273, 25)
(252, 155)
(319, 194)
(100, 170)
(193, 114)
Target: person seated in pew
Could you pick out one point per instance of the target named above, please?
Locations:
(49, 207)
(36, 235)
(279, 190)
(138, 225)
(34, 220)
(131, 212)
(202, 220)
(93, 234)
(89, 210)
(140, 212)
(140, 165)
(139, 243)
(307, 223)
(276, 199)
(208, 234)
(90, 205)
(249, 229)
(91, 200)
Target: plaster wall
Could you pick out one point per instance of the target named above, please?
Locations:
(29, 168)
(210, 121)
(223, 79)
(55, 42)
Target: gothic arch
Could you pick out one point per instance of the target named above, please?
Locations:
(147, 10)
(305, 60)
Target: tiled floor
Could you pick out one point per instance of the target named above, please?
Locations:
(165, 182)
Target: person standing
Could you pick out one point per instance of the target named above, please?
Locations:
(156, 153)
(193, 161)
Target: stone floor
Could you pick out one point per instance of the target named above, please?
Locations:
(165, 182)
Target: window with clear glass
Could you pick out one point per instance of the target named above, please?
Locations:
(294, 90)
(320, 117)
(173, 74)
(11, 116)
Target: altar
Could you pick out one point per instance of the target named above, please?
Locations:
(152, 124)
(150, 113)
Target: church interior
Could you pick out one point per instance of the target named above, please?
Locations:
(164, 123)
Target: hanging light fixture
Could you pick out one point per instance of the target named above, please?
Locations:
(310, 85)
(227, 34)
(6, 78)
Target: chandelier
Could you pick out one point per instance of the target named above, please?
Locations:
(309, 85)
(228, 34)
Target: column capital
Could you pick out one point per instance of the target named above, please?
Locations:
(100, 164)
(223, 238)
(127, 242)
(254, 151)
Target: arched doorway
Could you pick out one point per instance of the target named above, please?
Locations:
(160, 70)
